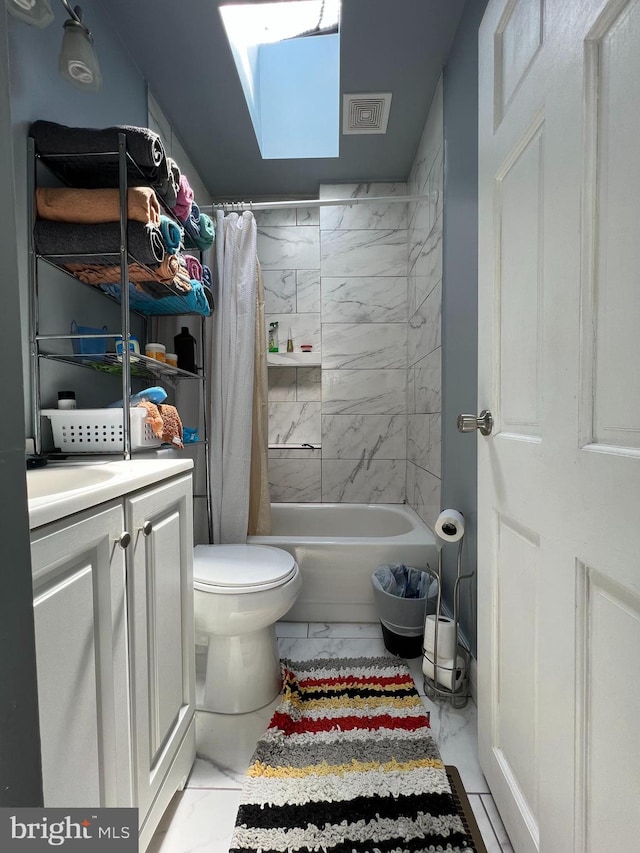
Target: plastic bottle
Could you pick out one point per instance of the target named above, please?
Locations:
(185, 349)
(273, 337)
(67, 400)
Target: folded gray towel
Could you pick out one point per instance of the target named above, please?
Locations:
(75, 241)
(144, 146)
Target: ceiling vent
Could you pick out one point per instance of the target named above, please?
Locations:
(366, 113)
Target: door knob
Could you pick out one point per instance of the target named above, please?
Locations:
(469, 423)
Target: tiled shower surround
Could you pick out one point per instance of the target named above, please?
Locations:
(362, 285)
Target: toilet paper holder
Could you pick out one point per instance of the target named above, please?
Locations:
(442, 677)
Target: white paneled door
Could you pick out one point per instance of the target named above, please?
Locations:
(559, 493)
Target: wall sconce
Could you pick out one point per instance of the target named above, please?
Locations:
(77, 62)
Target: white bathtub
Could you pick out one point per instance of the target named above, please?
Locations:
(339, 546)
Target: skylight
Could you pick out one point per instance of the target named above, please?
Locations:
(265, 23)
(287, 55)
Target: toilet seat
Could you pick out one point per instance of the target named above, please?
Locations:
(232, 569)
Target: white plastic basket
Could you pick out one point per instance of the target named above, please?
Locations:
(98, 430)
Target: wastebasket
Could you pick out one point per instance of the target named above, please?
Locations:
(404, 596)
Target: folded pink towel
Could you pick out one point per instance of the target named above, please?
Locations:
(184, 200)
(194, 267)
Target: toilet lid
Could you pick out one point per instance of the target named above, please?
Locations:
(241, 566)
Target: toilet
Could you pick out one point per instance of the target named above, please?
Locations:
(240, 592)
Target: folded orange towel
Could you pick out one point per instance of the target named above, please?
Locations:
(170, 271)
(65, 204)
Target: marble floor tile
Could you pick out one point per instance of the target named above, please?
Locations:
(345, 630)
(456, 733)
(202, 816)
(484, 824)
(225, 744)
(197, 820)
(496, 823)
(331, 647)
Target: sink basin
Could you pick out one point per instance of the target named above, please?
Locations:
(45, 482)
(63, 488)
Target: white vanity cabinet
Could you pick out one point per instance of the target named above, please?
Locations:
(113, 604)
(79, 586)
(162, 651)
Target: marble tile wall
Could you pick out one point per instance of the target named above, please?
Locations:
(424, 406)
(337, 277)
(363, 266)
(289, 252)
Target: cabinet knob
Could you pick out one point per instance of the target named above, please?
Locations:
(124, 540)
(147, 528)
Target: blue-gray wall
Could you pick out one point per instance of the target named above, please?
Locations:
(28, 62)
(460, 296)
(39, 92)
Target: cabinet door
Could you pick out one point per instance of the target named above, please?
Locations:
(161, 629)
(81, 651)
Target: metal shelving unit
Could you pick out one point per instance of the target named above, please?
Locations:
(138, 366)
(433, 687)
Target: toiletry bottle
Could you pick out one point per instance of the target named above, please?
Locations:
(290, 342)
(273, 337)
(185, 349)
(67, 400)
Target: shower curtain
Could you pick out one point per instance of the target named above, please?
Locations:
(231, 367)
(259, 498)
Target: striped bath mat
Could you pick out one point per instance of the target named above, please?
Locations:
(348, 765)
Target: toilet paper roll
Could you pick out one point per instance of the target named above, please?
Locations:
(447, 640)
(450, 525)
(445, 674)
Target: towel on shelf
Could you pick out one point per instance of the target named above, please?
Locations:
(191, 221)
(194, 267)
(207, 232)
(168, 189)
(97, 274)
(208, 295)
(64, 204)
(171, 425)
(207, 278)
(199, 231)
(164, 421)
(184, 200)
(75, 241)
(194, 302)
(144, 146)
(172, 233)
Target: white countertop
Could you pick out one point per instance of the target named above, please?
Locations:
(62, 488)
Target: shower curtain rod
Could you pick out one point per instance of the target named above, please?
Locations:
(315, 202)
